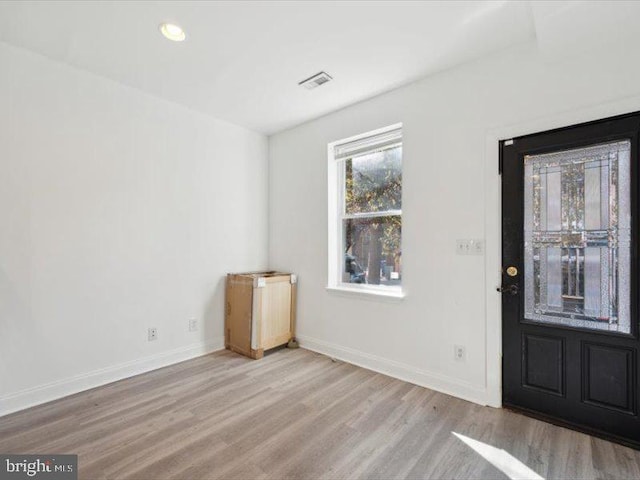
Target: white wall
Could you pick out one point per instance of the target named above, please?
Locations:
(118, 211)
(452, 123)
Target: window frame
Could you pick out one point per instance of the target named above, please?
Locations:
(336, 215)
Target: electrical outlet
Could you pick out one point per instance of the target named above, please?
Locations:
(459, 353)
(193, 324)
(152, 334)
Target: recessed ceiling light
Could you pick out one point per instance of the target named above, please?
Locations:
(172, 32)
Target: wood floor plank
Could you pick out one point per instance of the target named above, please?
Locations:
(298, 414)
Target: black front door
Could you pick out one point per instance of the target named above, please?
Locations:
(570, 276)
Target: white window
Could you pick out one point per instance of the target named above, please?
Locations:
(365, 212)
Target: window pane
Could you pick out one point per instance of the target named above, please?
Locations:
(373, 182)
(371, 249)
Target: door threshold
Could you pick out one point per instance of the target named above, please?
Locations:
(572, 426)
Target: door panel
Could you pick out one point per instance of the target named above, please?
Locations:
(543, 363)
(570, 269)
(608, 377)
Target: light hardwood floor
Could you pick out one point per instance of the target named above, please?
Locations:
(297, 414)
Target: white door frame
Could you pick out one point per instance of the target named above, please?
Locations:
(493, 221)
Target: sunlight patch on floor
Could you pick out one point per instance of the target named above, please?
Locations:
(501, 459)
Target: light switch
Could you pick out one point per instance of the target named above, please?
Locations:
(469, 247)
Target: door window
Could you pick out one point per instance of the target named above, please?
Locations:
(577, 237)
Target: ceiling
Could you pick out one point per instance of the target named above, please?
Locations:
(242, 61)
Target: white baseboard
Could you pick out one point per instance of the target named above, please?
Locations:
(401, 371)
(52, 391)
(62, 388)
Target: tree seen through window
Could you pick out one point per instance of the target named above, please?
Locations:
(372, 219)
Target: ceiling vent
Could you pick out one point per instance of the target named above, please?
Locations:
(315, 81)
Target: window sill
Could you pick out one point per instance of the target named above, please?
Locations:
(393, 296)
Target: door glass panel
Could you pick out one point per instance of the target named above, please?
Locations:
(577, 231)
